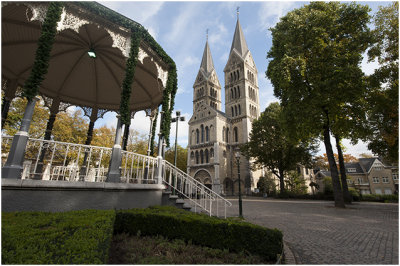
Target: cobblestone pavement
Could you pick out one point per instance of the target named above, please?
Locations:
(318, 233)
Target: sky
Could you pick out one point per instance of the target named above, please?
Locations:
(180, 28)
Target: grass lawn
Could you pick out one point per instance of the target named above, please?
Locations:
(126, 249)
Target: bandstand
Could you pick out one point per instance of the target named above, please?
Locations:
(84, 54)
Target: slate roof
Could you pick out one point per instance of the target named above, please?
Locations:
(239, 42)
(357, 166)
(207, 63)
(366, 163)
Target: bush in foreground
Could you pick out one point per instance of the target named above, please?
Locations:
(76, 237)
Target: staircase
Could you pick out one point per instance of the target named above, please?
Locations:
(190, 194)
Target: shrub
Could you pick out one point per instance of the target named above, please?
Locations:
(380, 198)
(76, 237)
(173, 223)
(354, 193)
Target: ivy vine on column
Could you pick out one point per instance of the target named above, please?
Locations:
(42, 56)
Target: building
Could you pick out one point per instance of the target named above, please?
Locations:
(368, 176)
(214, 134)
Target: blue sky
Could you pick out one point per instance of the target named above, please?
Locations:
(180, 28)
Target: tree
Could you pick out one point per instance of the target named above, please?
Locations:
(266, 184)
(322, 163)
(137, 142)
(270, 146)
(314, 68)
(103, 136)
(70, 127)
(181, 161)
(384, 84)
(296, 183)
(16, 112)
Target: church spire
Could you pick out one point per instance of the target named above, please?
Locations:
(207, 63)
(239, 42)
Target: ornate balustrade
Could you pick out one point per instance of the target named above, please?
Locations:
(55, 160)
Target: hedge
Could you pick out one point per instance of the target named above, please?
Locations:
(380, 198)
(76, 237)
(84, 237)
(201, 229)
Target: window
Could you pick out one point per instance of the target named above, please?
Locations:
(192, 155)
(378, 191)
(211, 153)
(206, 153)
(201, 157)
(385, 180)
(377, 168)
(235, 134)
(375, 180)
(233, 114)
(202, 133)
(240, 112)
(236, 112)
(395, 176)
(197, 157)
(197, 136)
(359, 180)
(351, 170)
(223, 134)
(238, 89)
(349, 181)
(227, 135)
(207, 134)
(388, 191)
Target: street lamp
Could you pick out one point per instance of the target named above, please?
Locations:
(237, 155)
(176, 119)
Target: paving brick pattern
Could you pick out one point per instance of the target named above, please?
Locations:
(318, 233)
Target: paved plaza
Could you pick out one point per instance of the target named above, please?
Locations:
(318, 233)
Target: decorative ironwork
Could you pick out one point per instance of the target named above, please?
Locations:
(39, 11)
(48, 102)
(88, 112)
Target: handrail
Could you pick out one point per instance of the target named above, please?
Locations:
(56, 160)
(193, 190)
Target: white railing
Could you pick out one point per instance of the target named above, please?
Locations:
(55, 160)
(194, 192)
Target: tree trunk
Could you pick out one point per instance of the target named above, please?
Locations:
(346, 194)
(281, 181)
(337, 190)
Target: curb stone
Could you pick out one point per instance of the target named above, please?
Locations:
(289, 257)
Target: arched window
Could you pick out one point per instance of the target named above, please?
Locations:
(207, 134)
(234, 92)
(237, 74)
(201, 157)
(192, 155)
(232, 111)
(211, 133)
(235, 134)
(202, 133)
(234, 75)
(197, 136)
(231, 94)
(197, 157)
(206, 153)
(227, 135)
(223, 134)
(236, 113)
(211, 153)
(238, 89)
(231, 77)
(240, 112)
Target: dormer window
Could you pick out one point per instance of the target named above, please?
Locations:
(351, 170)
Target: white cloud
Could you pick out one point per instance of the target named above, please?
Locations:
(183, 130)
(270, 12)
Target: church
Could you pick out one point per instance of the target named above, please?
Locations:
(215, 135)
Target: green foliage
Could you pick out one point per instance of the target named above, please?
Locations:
(129, 74)
(77, 237)
(296, 183)
(384, 84)
(354, 193)
(42, 56)
(153, 134)
(380, 198)
(266, 185)
(181, 159)
(328, 189)
(16, 113)
(315, 70)
(202, 230)
(271, 146)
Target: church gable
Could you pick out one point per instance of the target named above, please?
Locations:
(234, 59)
(201, 112)
(250, 61)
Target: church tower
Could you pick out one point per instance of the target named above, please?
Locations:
(207, 88)
(241, 102)
(203, 146)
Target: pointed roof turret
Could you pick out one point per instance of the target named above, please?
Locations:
(207, 63)
(239, 42)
